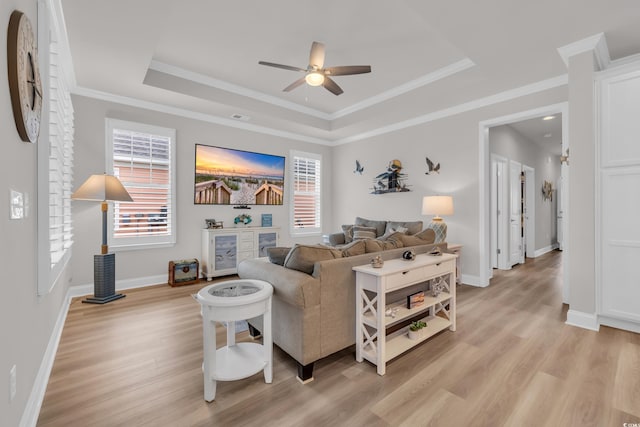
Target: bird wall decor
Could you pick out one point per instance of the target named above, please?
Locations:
(432, 169)
(359, 168)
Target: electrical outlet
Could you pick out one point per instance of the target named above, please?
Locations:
(12, 383)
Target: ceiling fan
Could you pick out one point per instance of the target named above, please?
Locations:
(315, 75)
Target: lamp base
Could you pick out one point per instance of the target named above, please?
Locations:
(440, 228)
(104, 280)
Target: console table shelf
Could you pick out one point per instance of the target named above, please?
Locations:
(372, 286)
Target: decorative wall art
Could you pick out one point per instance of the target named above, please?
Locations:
(392, 180)
(432, 168)
(359, 168)
(547, 191)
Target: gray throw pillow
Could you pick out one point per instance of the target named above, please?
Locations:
(412, 227)
(380, 226)
(347, 229)
(277, 255)
(302, 257)
(360, 232)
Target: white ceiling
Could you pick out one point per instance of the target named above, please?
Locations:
(202, 56)
(546, 133)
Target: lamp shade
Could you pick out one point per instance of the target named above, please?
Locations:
(437, 205)
(102, 188)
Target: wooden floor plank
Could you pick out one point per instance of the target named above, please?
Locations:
(512, 361)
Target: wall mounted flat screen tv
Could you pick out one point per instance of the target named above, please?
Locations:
(225, 176)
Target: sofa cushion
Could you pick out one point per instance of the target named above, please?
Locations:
(428, 235)
(412, 227)
(347, 229)
(277, 255)
(362, 232)
(357, 247)
(376, 245)
(380, 226)
(422, 238)
(302, 257)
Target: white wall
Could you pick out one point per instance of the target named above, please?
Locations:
(454, 142)
(507, 142)
(90, 159)
(26, 320)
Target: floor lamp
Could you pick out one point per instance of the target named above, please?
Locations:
(103, 188)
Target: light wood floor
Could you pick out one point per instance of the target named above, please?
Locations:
(512, 361)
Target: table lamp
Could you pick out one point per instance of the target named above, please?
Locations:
(103, 188)
(438, 205)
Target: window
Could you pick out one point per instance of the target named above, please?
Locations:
(305, 209)
(143, 158)
(55, 157)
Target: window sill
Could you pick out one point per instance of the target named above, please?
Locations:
(138, 247)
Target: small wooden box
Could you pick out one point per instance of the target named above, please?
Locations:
(183, 272)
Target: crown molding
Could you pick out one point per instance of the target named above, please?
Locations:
(181, 112)
(406, 87)
(596, 43)
(461, 108)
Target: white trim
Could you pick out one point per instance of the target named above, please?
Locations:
(64, 51)
(36, 397)
(471, 280)
(238, 90)
(484, 181)
(583, 320)
(626, 325)
(596, 43)
(181, 112)
(439, 74)
(508, 95)
(545, 250)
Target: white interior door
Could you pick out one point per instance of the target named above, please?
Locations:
(529, 211)
(499, 213)
(516, 254)
(560, 214)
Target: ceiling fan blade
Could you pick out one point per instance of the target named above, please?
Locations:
(332, 86)
(348, 70)
(294, 85)
(316, 57)
(285, 67)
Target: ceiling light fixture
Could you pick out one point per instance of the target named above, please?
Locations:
(314, 79)
(547, 135)
(549, 118)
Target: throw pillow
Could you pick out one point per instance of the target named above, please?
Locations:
(412, 227)
(428, 235)
(277, 255)
(375, 245)
(356, 247)
(361, 232)
(347, 229)
(302, 257)
(380, 226)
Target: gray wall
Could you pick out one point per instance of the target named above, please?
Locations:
(90, 159)
(452, 141)
(26, 320)
(507, 142)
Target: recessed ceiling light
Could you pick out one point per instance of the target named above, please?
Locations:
(547, 135)
(241, 117)
(549, 118)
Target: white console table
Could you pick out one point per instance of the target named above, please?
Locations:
(372, 286)
(224, 248)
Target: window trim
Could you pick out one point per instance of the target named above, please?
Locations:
(147, 242)
(297, 232)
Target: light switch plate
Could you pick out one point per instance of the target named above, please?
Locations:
(16, 203)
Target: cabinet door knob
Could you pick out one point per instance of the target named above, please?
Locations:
(438, 264)
(404, 272)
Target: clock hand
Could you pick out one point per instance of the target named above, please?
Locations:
(35, 87)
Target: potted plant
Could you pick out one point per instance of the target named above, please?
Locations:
(415, 329)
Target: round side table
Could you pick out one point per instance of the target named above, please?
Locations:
(232, 301)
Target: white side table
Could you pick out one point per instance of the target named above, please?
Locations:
(456, 248)
(231, 301)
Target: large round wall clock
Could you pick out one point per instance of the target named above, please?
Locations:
(25, 86)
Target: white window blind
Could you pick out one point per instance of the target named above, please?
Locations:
(142, 157)
(306, 206)
(55, 156)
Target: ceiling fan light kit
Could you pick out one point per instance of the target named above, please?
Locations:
(316, 75)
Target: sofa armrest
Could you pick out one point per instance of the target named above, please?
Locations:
(334, 239)
(295, 287)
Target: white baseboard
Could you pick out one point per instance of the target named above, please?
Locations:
(468, 279)
(543, 251)
(32, 409)
(583, 320)
(626, 325)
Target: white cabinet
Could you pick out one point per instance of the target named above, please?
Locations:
(618, 292)
(223, 249)
(374, 314)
